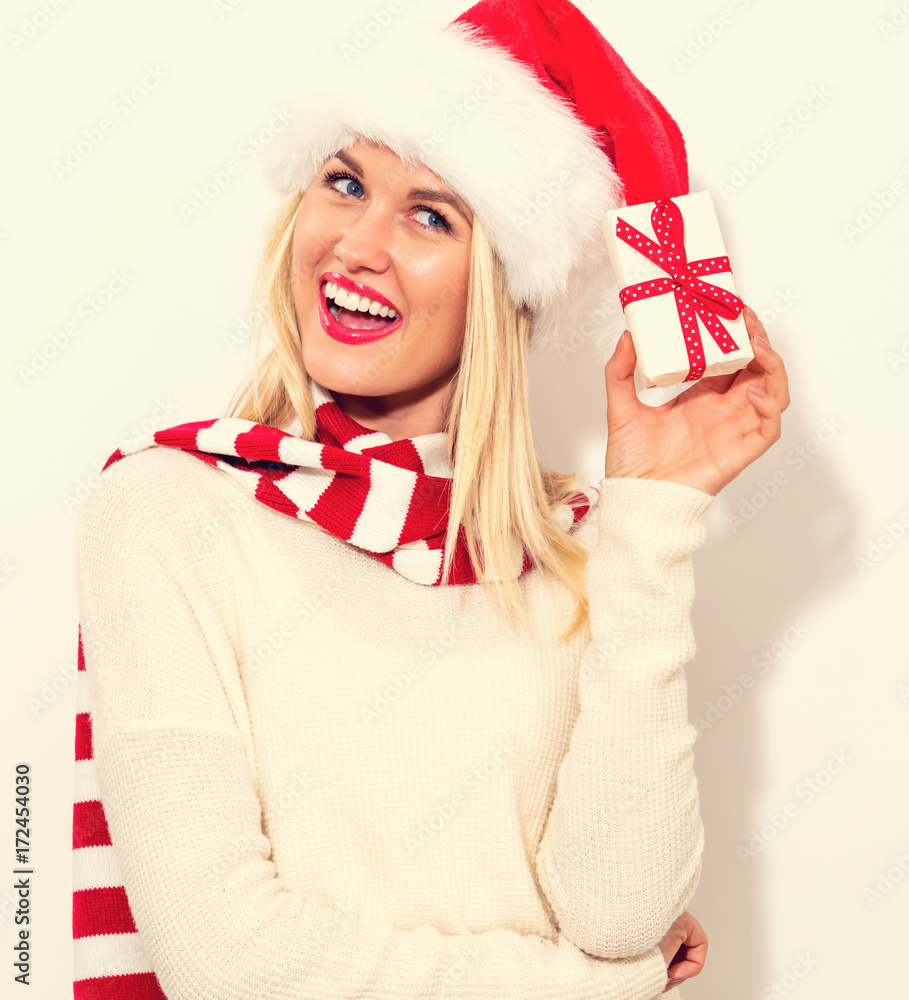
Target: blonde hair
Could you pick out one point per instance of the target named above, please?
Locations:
(497, 478)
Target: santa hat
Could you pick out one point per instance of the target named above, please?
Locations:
(531, 116)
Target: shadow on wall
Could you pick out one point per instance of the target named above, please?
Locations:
(780, 538)
(756, 585)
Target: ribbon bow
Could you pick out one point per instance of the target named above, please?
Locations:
(691, 294)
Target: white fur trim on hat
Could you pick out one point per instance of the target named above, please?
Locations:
(530, 169)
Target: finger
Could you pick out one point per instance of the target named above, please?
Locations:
(695, 955)
(695, 935)
(776, 380)
(684, 970)
(766, 360)
(619, 372)
(755, 328)
(769, 415)
(766, 371)
(721, 383)
(753, 325)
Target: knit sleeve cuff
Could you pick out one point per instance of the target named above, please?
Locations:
(661, 514)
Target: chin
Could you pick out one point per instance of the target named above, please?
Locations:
(362, 370)
(350, 376)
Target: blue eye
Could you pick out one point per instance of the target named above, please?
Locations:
(435, 212)
(333, 177)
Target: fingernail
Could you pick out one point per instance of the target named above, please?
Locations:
(762, 342)
(751, 313)
(756, 390)
(618, 346)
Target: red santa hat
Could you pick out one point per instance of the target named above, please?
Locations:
(530, 115)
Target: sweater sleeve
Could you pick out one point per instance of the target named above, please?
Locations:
(620, 856)
(178, 789)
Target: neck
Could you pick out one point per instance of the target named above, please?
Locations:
(407, 414)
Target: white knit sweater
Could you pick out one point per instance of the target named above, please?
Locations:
(324, 781)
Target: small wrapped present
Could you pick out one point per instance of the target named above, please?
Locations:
(683, 326)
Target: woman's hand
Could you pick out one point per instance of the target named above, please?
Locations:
(704, 437)
(684, 948)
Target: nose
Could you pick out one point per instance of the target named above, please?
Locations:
(365, 240)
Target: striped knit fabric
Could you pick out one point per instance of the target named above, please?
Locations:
(109, 960)
(389, 498)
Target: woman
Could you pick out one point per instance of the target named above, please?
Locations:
(309, 765)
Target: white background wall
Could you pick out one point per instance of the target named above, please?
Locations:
(781, 597)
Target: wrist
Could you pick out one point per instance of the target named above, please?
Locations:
(693, 480)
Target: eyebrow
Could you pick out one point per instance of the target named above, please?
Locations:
(431, 194)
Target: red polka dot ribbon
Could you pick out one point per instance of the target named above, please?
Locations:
(691, 294)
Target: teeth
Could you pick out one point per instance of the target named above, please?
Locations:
(353, 301)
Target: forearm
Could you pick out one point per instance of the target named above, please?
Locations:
(219, 923)
(620, 856)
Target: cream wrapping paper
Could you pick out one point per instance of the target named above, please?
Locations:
(660, 342)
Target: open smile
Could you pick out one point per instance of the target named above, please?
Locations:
(354, 313)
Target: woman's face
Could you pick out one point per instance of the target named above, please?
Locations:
(400, 237)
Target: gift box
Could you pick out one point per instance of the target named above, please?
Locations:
(676, 287)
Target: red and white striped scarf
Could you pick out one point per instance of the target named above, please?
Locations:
(388, 498)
